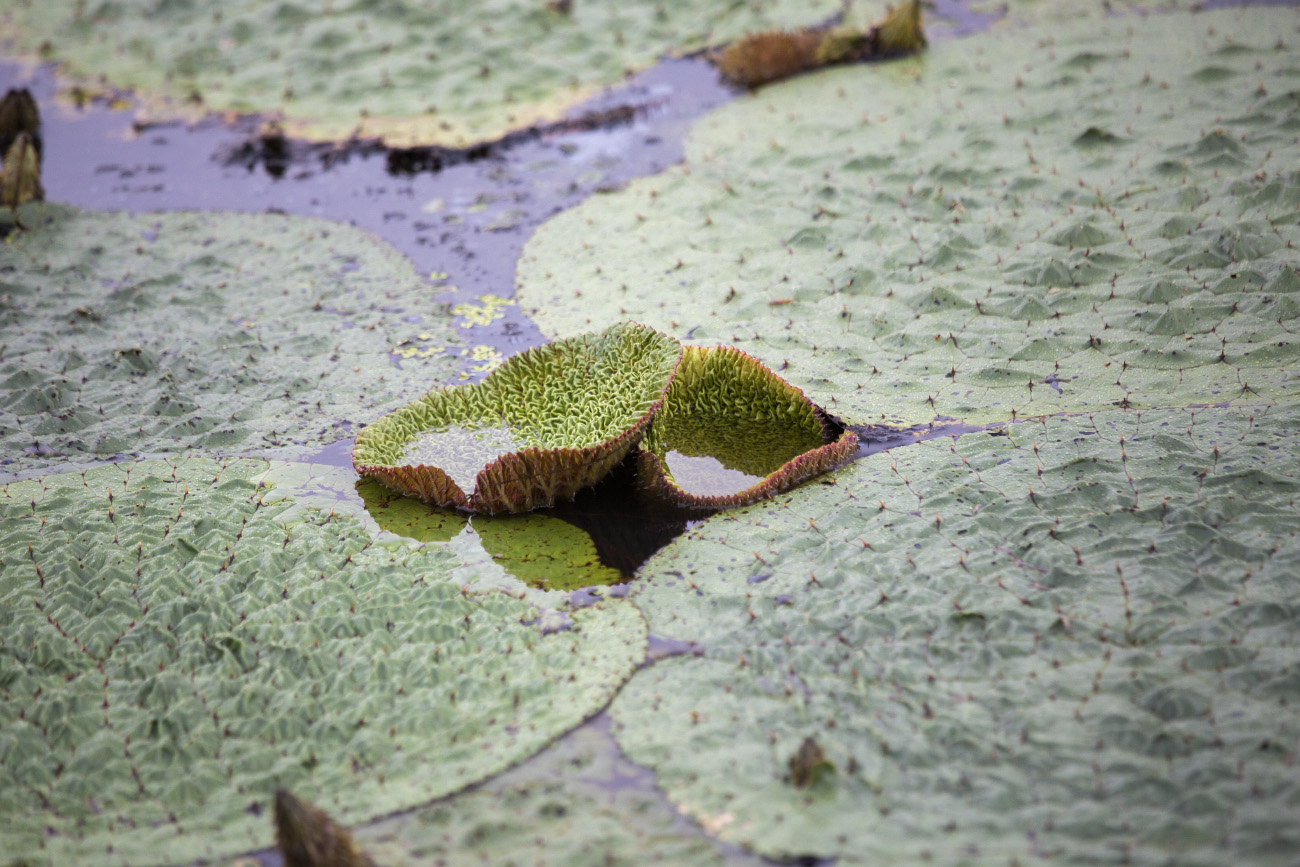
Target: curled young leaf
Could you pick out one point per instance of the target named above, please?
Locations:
(547, 423)
(731, 432)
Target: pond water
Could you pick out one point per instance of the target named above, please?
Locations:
(461, 452)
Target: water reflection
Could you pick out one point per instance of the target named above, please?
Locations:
(600, 537)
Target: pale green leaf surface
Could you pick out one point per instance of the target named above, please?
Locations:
(409, 72)
(173, 652)
(1074, 640)
(577, 803)
(226, 332)
(1106, 208)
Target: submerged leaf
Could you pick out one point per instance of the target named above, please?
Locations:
(544, 552)
(731, 432)
(547, 423)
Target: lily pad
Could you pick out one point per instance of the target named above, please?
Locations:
(942, 237)
(174, 652)
(731, 432)
(547, 423)
(579, 802)
(1071, 637)
(406, 72)
(164, 332)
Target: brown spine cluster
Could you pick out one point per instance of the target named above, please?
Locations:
(773, 55)
(20, 150)
(307, 837)
(761, 58)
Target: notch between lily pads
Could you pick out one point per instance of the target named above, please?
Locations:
(550, 421)
(731, 433)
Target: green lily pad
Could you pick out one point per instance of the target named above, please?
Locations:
(164, 332)
(1041, 220)
(174, 651)
(547, 423)
(1073, 636)
(732, 432)
(405, 72)
(579, 802)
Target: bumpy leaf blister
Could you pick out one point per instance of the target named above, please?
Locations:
(1072, 638)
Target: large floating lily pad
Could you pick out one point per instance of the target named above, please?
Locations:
(173, 652)
(163, 332)
(732, 432)
(1092, 214)
(411, 73)
(1074, 638)
(547, 423)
